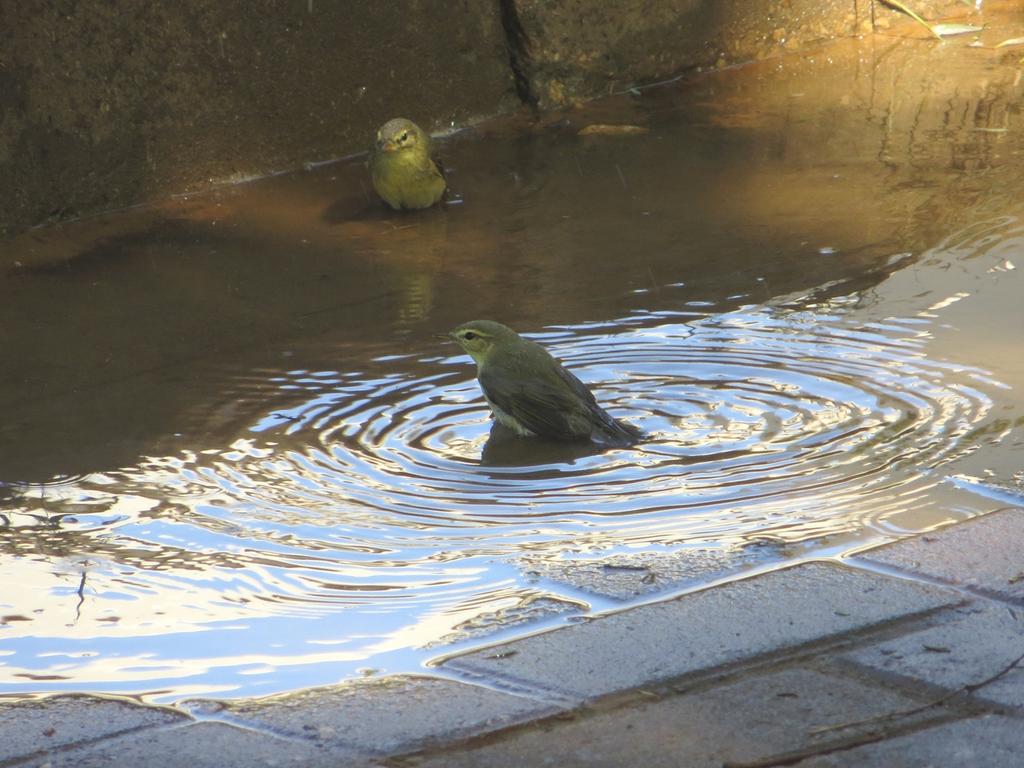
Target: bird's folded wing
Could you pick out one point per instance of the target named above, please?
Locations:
(611, 429)
(438, 169)
(545, 409)
(428, 170)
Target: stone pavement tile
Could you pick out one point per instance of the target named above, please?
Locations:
(705, 629)
(753, 717)
(983, 553)
(965, 646)
(989, 741)
(388, 715)
(200, 745)
(29, 726)
(632, 574)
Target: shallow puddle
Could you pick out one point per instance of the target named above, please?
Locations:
(237, 461)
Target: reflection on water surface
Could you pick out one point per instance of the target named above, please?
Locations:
(237, 461)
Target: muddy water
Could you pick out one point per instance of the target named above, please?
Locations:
(235, 460)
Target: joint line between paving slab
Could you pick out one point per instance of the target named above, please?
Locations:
(11, 762)
(510, 685)
(899, 726)
(964, 699)
(853, 742)
(230, 719)
(712, 675)
(861, 562)
(803, 654)
(619, 606)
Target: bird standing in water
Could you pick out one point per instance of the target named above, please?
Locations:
(401, 168)
(531, 393)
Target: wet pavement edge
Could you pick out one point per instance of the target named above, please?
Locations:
(906, 654)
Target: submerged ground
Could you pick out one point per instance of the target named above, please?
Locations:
(237, 461)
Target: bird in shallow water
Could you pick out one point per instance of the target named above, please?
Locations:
(401, 168)
(531, 393)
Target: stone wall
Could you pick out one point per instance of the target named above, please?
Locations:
(106, 104)
(574, 48)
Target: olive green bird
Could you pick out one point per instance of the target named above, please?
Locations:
(531, 393)
(401, 168)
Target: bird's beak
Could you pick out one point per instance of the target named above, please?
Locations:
(387, 145)
(443, 336)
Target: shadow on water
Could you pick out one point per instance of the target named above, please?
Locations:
(504, 448)
(236, 460)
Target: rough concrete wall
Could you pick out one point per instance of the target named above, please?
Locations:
(107, 103)
(572, 49)
(104, 103)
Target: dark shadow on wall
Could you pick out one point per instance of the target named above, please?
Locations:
(104, 106)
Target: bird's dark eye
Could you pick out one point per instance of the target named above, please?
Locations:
(469, 335)
(404, 136)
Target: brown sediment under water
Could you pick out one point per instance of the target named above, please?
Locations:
(236, 460)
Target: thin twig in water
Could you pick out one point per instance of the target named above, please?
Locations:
(622, 177)
(81, 593)
(969, 688)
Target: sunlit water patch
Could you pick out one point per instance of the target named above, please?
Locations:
(373, 515)
(284, 482)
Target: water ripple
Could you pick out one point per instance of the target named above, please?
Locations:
(378, 505)
(757, 418)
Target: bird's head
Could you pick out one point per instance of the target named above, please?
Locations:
(401, 135)
(480, 338)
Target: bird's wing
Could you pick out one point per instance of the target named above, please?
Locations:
(606, 428)
(578, 387)
(543, 407)
(431, 173)
(439, 169)
(428, 169)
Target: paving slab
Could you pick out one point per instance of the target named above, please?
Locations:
(983, 553)
(982, 742)
(705, 629)
(29, 726)
(751, 718)
(385, 716)
(966, 646)
(634, 574)
(199, 745)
